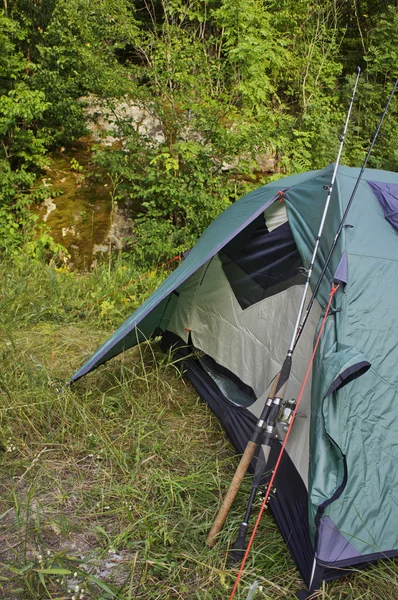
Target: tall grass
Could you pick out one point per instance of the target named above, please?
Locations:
(108, 489)
(33, 292)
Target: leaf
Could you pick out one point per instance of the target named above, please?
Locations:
(102, 585)
(22, 570)
(54, 571)
(42, 580)
(5, 513)
(98, 527)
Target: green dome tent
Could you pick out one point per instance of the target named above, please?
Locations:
(234, 300)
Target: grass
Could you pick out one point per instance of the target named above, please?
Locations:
(108, 489)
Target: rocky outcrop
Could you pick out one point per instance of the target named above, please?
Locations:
(104, 120)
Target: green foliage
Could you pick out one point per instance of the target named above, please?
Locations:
(34, 291)
(227, 82)
(180, 193)
(255, 54)
(49, 56)
(76, 166)
(21, 142)
(76, 56)
(383, 51)
(381, 72)
(232, 83)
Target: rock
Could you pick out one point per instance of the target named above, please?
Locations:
(66, 230)
(97, 248)
(104, 123)
(263, 163)
(103, 120)
(50, 205)
(120, 228)
(266, 163)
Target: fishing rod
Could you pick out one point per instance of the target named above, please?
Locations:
(283, 447)
(238, 548)
(282, 377)
(339, 230)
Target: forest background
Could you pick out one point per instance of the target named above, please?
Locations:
(229, 82)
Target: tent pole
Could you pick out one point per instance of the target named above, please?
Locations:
(282, 377)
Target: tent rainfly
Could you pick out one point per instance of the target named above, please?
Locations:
(230, 309)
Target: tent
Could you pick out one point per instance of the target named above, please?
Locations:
(230, 308)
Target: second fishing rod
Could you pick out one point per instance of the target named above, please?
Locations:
(279, 383)
(238, 548)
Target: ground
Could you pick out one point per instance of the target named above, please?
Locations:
(108, 489)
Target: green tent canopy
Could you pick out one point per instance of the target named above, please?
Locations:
(229, 310)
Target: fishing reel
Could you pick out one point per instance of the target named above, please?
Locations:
(285, 418)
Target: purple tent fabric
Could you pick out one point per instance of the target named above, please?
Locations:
(387, 195)
(341, 274)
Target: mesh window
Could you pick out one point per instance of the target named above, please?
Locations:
(260, 264)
